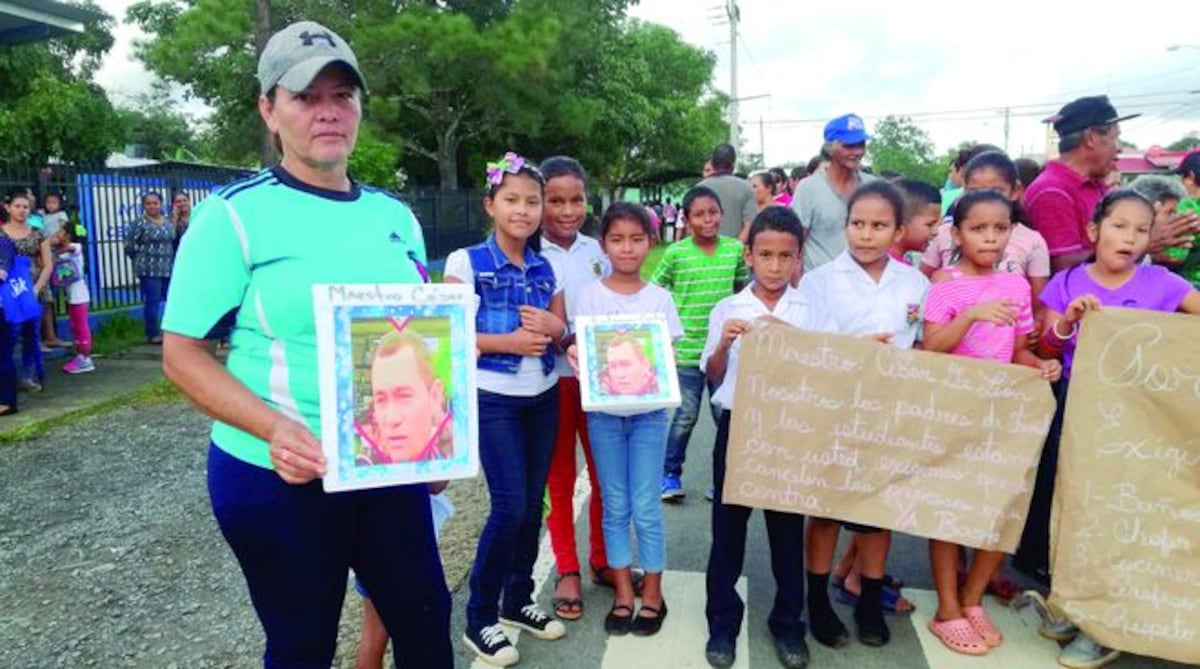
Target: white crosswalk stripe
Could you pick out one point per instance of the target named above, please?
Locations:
(680, 642)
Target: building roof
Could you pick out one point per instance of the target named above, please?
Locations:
(23, 21)
(1155, 159)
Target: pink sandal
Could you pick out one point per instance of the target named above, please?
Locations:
(959, 635)
(979, 619)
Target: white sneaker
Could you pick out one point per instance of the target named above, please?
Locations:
(1083, 653)
(535, 621)
(492, 646)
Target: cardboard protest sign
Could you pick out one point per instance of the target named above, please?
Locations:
(930, 444)
(1126, 549)
(396, 364)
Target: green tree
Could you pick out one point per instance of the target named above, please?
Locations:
(48, 108)
(1188, 142)
(439, 79)
(646, 108)
(153, 122)
(901, 145)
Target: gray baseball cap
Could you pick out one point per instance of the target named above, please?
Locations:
(295, 56)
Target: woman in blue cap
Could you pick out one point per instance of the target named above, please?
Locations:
(247, 265)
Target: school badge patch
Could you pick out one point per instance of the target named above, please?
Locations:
(597, 269)
(914, 313)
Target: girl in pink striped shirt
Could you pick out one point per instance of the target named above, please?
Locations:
(977, 311)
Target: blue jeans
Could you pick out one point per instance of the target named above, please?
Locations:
(628, 452)
(516, 441)
(154, 296)
(295, 544)
(692, 383)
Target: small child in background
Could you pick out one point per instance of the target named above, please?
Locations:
(1189, 259)
(978, 311)
(922, 214)
(53, 217)
(699, 271)
(1025, 253)
(68, 276)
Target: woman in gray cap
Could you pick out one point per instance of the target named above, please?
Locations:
(246, 267)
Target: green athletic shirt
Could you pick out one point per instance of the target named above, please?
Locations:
(252, 253)
(698, 281)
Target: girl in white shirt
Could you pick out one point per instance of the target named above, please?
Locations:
(628, 447)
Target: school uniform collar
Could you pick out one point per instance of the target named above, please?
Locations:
(500, 259)
(846, 263)
(746, 297)
(581, 241)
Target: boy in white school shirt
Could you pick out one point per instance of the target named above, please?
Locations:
(773, 252)
(867, 293)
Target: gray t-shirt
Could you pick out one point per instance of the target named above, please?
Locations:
(822, 211)
(737, 202)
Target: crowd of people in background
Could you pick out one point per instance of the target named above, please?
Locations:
(43, 255)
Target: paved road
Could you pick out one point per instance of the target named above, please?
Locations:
(680, 645)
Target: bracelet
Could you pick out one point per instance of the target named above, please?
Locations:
(1067, 337)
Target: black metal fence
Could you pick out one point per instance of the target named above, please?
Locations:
(107, 200)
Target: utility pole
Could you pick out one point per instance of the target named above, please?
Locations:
(1007, 114)
(762, 140)
(734, 15)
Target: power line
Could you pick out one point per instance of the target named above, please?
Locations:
(1022, 110)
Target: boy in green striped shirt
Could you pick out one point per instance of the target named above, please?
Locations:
(699, 271)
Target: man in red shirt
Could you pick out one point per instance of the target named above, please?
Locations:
(1062, 199)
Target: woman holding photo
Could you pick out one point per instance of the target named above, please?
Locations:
(247, 265)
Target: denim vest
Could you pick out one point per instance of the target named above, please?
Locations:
(502, 287)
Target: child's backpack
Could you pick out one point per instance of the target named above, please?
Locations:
(16, 295)
(66, 270)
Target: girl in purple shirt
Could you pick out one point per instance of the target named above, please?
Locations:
(1120, 231)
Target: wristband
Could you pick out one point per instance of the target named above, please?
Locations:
(1067, 337)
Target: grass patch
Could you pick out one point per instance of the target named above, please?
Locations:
(159, 391)
(118, 332)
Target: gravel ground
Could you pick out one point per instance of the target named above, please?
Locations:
(109, 556)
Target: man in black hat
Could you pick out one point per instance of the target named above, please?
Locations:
(1061, 200)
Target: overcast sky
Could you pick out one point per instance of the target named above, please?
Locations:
(878, 57)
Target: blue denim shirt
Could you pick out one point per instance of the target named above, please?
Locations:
(502, 288)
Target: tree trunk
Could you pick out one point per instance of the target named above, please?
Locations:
(447, 152)
(262, 33)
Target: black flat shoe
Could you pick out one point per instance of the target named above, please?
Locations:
(618, 625)
(650, 625)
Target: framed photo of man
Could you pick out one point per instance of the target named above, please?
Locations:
(626, 363)
(396, 364)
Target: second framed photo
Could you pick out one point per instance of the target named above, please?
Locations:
(626, 363)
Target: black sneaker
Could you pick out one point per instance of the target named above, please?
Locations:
(533, 620)
(792, 653)
(492, 646)
(720, 653)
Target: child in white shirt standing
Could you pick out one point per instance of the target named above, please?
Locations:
(773, 252)
(68, 276)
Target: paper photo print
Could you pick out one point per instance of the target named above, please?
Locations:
(397, 374)
(626, 363)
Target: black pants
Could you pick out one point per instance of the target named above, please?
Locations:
(1033, 554)
(785, 533)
